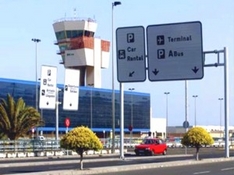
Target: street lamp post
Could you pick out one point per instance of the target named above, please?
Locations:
(57, 116)
(220, 99)
(91, 106)
(166, 93)
(36, 41)
(115, 3)
(104, 138)
(195, 110)
(131, 121)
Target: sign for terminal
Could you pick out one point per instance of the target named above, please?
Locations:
(130, 46)
(175, 51)
(71, 89)
(48, 87)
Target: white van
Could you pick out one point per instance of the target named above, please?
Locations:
(39, 138)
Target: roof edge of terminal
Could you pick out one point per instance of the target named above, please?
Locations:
(74, 19)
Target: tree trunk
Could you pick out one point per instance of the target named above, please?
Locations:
(197, 152)
(15, 146)
(81, 160)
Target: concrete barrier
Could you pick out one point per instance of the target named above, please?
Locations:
(73, 153)
(2, 155)
(30, 154)
(10, 155)
(20, 154)
(49, 153)
(104, 151)
(89, 152)
(58, 153)
(39, 154)
(97, 152)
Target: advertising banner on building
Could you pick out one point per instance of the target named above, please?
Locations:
(71, 89)
(48, 87)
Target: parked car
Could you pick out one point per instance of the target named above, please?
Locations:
(218, 142)
(177, 142)
(174, 142)
(151, 146)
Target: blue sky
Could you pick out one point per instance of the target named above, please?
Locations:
(26, 19)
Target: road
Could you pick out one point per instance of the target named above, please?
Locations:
(218, 168)
(43, 164)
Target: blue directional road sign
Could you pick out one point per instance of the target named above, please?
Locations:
(130, 51)
(175, 51)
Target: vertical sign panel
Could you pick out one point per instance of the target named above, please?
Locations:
(71, 89)
(130, 50)
(48, 87)
(175, 51)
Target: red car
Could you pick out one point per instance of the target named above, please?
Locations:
(151, 146)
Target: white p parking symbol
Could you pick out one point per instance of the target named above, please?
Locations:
(130, 37)
(161, 53)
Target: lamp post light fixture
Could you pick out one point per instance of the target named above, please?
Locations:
(115, 3)
(220, 99)
(166, 93)
(195, 110)
(131, 120)
(36, 41)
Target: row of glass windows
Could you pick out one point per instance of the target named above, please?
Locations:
(94, 105)
(73, 34)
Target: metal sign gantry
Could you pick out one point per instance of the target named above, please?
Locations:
(225, 64)
(157, 43)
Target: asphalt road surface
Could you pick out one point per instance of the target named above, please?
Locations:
(43, 164)
(218, 168)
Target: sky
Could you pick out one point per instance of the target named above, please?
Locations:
(22, 20)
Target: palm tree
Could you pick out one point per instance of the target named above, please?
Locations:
(16, 119)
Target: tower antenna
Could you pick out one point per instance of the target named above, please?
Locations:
(74, 13)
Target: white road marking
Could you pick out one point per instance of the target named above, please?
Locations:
(227, 169)
(202, 172)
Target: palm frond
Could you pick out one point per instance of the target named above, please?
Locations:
(16, 119)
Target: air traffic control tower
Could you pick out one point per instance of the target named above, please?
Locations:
(80, 50)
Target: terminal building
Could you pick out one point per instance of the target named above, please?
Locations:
(95, 108)
(81, 50)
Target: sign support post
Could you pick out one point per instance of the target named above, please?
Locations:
(121, 121)
(57, 115)
(67, 124)
(226, 90)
